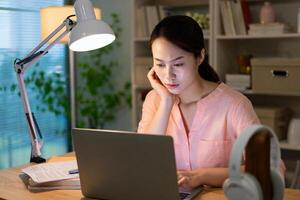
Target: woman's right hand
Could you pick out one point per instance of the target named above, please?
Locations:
(159, 87)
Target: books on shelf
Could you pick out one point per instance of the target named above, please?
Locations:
(238, 18)
(141, 30)
(267, 29)
(246, 13)
(239, 82)
(152, 17)
(235, 17)
(52, 176)
(146, 18)
(227, 19)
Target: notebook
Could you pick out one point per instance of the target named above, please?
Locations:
(124, 165)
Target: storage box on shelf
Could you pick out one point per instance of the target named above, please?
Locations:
(276, 75)
(277, 118)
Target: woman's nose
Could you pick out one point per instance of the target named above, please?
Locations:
(170, 73)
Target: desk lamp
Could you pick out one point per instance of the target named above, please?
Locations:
(87, 33)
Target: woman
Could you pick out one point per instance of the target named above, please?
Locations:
(188, 102)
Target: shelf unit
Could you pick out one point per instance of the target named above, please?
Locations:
(227, 48)
(142, 50)
(224, 50)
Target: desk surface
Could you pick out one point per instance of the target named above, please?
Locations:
(12, 187)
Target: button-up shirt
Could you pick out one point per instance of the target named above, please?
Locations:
(219, 119)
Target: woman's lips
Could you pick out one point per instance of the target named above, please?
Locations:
(171, 86)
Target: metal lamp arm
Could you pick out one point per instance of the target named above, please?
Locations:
(36, 53)
(20, 67)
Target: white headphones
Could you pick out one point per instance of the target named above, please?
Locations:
(242, 185)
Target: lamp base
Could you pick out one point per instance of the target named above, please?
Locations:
(37, 159)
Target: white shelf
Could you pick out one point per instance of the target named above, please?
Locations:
(243, 37)
(286, 146)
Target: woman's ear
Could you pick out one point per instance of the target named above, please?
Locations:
(201, 57)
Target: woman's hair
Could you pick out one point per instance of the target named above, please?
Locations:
(185, 33)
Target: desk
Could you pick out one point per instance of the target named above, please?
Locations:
(12, 187)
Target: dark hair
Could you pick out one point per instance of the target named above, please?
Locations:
(185, 32)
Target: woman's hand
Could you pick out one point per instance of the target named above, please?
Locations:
(189, 179)
(159, 87)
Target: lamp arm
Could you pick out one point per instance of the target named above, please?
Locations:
(36, 53)
(20, 67)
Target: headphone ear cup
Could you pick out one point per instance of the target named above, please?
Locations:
(278, 185)
(246, 188)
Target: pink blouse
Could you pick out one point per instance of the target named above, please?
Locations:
(219, 119)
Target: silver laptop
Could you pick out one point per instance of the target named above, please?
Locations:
(120, 165)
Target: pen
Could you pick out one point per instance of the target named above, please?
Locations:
(73, 171)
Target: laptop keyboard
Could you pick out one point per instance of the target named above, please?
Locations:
(183, 195)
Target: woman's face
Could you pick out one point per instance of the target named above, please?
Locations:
(177, 69)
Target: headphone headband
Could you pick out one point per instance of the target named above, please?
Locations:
(240, 144)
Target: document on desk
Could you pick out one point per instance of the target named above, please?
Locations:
(55, 171)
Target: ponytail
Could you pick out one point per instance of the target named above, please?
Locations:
(207, 72)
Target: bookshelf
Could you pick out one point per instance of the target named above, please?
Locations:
(224, 49)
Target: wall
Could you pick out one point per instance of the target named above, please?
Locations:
(122, 55)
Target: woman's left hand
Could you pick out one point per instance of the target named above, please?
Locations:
(189, 179)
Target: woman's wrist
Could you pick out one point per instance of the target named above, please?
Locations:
(167, 102)
(201, 176)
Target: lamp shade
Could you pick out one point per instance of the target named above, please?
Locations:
(89, 33)
(53, 16)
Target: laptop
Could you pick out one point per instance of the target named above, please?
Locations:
(122, 165)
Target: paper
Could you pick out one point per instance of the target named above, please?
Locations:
(68, 184)
(65, 187)
(47, 172)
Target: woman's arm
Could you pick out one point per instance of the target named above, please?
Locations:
(209, 176)
(157, 124)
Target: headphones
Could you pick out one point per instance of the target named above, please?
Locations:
(242, 185)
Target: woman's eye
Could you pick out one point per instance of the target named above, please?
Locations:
(178, 64)
(160, 65)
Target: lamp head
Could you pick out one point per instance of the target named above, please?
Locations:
(89, 33)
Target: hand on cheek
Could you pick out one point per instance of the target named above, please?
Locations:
(158, 86)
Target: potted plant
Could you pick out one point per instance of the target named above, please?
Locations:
(98, 97)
